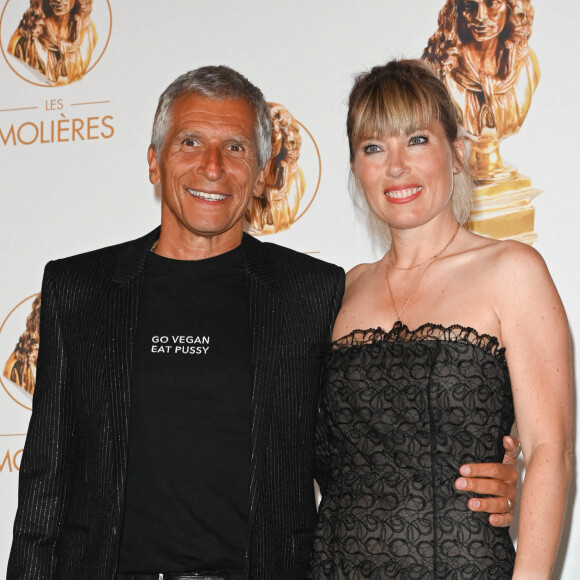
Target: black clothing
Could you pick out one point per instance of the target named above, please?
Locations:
(186, 506)
(74, 466)
(404, 410)
(193, 576)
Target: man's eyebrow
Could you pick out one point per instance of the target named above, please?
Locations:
(240, 138)
(192, 133)
(187, 133)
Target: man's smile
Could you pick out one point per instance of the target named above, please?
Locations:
(206, 195)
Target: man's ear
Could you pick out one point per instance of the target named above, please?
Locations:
(261, 180)
(154, 171)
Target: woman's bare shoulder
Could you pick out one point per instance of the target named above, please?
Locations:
(359, 273)
(506, 258)
(522, 285)
(515, 261)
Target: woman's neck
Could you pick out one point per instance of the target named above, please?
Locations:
(412, 247)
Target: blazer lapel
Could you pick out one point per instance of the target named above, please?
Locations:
(121, 309)
(266, 321)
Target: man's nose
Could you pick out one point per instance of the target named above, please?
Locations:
(212, 165)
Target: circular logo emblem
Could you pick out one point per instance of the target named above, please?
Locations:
(19, 349)
(51, 43)
(293, 177)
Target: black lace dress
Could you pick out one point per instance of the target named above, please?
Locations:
(403, 410)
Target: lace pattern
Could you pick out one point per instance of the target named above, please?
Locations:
(403, 410)
(427, 331)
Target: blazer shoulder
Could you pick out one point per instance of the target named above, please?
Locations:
(309, 285)
(291, 263)
(102, 260)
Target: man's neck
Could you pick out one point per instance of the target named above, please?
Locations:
(196, 247)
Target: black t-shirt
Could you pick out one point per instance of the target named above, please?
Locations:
(189, 442)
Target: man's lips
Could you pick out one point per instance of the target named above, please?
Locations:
(403, 194)
(205, 195)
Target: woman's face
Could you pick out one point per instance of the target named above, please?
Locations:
(407, 180)
(485, 19)
(61, 7)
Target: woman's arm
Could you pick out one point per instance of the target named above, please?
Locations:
(535, 332)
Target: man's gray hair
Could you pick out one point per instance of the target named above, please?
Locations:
(217, 83)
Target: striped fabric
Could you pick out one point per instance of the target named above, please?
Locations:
(73, 470)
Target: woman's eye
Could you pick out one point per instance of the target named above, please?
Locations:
(417, 140)
(371, 148)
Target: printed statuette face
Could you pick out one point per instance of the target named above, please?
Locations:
(56, 38)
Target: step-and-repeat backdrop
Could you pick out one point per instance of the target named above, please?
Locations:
(79, 81)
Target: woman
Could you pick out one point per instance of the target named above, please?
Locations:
(405, 407)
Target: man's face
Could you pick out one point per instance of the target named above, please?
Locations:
(208, 169)
(485, 19)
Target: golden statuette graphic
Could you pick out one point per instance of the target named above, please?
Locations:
(57, 38)
(21, 366)
(276, 208)
(481, 52)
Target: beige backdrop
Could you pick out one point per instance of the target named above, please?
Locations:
(73, 173)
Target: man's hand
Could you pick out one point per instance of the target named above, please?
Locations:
(498, 480)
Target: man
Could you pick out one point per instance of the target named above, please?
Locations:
(173, 426)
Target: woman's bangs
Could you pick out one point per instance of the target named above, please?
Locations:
(393, 109)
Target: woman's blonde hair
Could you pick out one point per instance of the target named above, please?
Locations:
(401, 97)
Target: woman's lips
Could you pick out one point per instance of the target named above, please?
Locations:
(403, 194)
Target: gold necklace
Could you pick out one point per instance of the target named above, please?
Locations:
(430, 261)
(433, 257)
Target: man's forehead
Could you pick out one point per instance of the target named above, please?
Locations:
(199, 117)
(195, 103)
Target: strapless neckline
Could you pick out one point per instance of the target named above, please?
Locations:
(399, 412)
(428, 331)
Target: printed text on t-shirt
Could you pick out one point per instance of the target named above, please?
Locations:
(180, 344)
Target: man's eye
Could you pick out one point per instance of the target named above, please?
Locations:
(190, 142)
(236, 147)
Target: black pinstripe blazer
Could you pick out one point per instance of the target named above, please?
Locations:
(73, 471)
